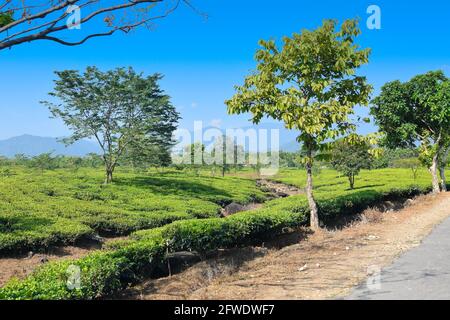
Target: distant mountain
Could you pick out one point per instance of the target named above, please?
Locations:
(34, 145)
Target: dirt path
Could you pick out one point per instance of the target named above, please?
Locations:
(278, 189)
(326, 265)
(274, 190)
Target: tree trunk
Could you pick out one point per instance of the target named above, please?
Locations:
(351, 179)
(314, 216)
(434, 174)
(109, 176)
(442, 165)
(443, 179)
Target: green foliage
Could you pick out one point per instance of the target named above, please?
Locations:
(412, 163)
(389, 157)
(417, 110)
(44, 161)
(309, 84)
(108, 271)
(6, 18)
(43, 208)
(103, 273)
(290, 159)
(120, 109)
(349, 158)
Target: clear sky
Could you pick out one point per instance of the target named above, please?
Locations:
(203, 59)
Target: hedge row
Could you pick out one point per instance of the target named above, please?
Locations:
(106, 272)
(41, 209)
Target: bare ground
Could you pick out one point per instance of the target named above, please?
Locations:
(327, 264)
(19, 266)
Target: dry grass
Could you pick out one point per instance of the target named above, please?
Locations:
(327, 264)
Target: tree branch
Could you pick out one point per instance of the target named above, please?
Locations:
(44, 30)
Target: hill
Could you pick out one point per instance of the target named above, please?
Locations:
(35, 145)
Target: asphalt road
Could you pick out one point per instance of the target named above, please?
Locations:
(419, 274)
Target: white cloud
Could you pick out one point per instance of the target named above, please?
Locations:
(194, 104)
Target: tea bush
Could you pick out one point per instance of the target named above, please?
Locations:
(105, 272)
(42, 208)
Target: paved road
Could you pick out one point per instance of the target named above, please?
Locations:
(421, 273)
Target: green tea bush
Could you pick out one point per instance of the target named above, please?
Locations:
(43, 208)
(106, 272)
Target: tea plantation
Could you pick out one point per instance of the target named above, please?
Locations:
(38, 209)
(68, 205)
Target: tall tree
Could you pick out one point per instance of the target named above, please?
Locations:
(416, 111)
(116, 108)
(26, 20)
(310, 84)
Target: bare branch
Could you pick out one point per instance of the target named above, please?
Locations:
(54, 24)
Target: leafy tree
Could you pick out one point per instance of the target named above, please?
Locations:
(194, 156)
(23, 21)
(416, 111)
(411, 163)
(93, 160)
(115, 108)
(20, 159)
(226, 154)
(349, 158)
(290, 159)
(143, 156)
(311, 85)
(389, 157)
(44, 161)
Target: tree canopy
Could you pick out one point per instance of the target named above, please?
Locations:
(119, 109)
(310, 84)
(416, 111)
(349, 158)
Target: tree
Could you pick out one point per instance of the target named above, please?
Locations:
(194, 156)
(226, 153)
(290, 159)
(390, 157)
(443, 162)
(93, 160)
(44, 161)
(349, 158)
(116, 108)
(26, 21)
(143, 154)
(416, 111)
(310, 84)
(410, 163)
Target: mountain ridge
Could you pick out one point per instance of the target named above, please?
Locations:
(31, 145)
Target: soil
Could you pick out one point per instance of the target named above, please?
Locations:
(274, 189)
(278, 189)
(19, 266)
(322, 265)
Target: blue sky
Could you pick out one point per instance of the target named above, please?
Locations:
(203, 59)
